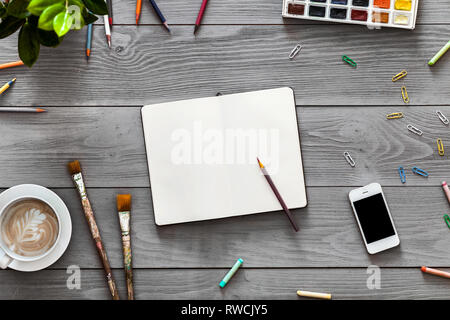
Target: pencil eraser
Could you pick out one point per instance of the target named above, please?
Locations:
(444, 183)
(241, 261)
(222, 284)
(423, 269)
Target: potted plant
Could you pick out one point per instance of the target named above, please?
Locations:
(45, 22)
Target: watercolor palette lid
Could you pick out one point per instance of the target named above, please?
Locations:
(375, 14)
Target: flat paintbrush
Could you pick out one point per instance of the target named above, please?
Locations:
(77, 176)
(124, 209)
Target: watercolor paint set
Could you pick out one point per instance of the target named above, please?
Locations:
(373, 13)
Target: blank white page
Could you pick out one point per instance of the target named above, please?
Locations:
(202, 155)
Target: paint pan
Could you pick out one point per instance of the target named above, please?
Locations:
(373, 13)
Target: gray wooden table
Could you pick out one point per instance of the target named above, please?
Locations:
(94, 116)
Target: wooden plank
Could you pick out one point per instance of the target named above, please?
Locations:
(328, 235)
(397, 283)
(109, 143)
(244, 12)
(147, 65)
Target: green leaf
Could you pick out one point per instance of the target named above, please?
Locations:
(36, 7)
(78, 3)
(28, 44)
(88, 17)
(18, 8)
(48, 38)
(97, 6)
(47, 16)
(9, 25)
(62, 23)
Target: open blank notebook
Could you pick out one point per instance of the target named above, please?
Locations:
(202, 155)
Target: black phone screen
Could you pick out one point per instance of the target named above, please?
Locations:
(374, 218)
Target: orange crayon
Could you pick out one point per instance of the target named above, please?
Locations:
(11, 64)
(436, 272)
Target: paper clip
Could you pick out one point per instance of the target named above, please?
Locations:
(440, 146)
(414, 129)
(405, 95)
(295, 51)
(401, 172)
(349, 61)
(400, 75)
(396, 115)
(349, 159)
(442, 117)
(447, 220)
(420, 172)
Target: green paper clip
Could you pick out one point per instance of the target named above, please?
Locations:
(447, 220)
(349, 61)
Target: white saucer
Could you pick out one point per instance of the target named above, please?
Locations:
(65, 223)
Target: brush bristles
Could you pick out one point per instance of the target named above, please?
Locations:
(123, 202)
(74, 167)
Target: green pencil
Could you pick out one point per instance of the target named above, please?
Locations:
(439, 54)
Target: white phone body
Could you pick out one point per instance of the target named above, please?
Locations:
(374, 218)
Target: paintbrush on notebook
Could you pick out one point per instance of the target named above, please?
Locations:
(124, 209)
(278, 195)
(77, 177)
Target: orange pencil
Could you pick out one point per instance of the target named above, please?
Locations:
(138, 10)
(11, 64)
(436, 272)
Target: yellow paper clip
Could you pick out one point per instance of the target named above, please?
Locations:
(440, 147)
(400, 75)
(396, 115)
(405, 95)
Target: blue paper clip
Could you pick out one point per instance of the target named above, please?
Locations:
(447, 220)
(401, 172)
(420, 172)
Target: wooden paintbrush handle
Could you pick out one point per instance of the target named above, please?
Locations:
(128, 266)
(89, 214)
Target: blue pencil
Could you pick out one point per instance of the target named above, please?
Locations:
(160, 15)
(89, 41)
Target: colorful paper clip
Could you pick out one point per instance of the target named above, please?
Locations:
(447, 220)
(349, 61)
(420, 172)
(414, 129)
(400, 75)
(440, 147)
(295, 51)
(401, 172)
(442, 117)
(349, 159)
(405, 95)
(396, 115)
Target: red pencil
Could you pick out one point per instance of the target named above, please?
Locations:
(200, 15)
(278, 195)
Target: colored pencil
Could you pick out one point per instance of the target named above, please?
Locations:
(278, 195)
(316, 295)
(439, 54)
(200, 15)
(446, 190)
(14, 109)
(110, 12)
(107, 29)
(436, 272)
(160, 15)
(89, 41)
(11, 64)
(7, 85)
(138, 10)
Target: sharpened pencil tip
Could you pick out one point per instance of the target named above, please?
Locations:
(260, 164)
(13, 80)
(167, 26)
(195, 29)
(40, 110)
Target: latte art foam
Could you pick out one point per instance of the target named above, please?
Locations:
(29, 228)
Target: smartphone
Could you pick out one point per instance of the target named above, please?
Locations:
(374, 219)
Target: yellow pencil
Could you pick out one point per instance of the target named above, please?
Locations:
(7, 85)
(316, 295)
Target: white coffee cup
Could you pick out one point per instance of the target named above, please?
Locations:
(6, 255)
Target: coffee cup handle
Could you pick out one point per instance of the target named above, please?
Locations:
(5, 260)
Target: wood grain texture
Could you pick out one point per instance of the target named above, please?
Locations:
(244, 12)
(147, 65)
(109, 143)
(328, 235)
(396, 283)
